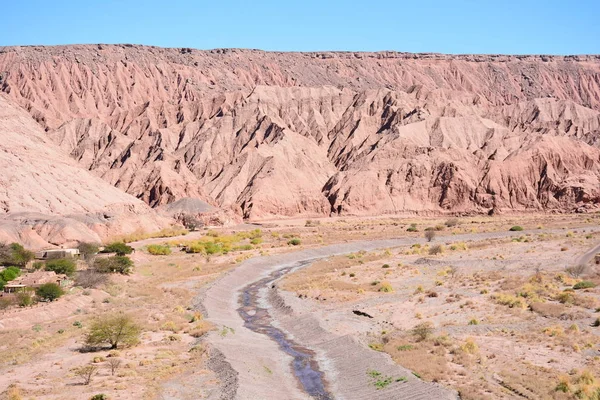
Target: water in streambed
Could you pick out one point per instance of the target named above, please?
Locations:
(258, 320)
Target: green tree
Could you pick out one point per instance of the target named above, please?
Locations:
(118, 264)
(118, 247)
(14, 254)
(49, 292)
(62, 266)
(20, 255)
(113, 330)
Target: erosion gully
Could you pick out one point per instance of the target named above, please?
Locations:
(258, 319)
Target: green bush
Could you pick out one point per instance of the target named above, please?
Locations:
(24, 299)
(118, 247)
(159, 250)
(516, 228)
(118, 264)
(100, 396)
(584, 285)
(412, 228)
(49, 292)
(38, 265)
(10, 274)
(62, 266)
(294, 242)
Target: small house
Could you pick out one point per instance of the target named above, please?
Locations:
(54, 254)
(14, 288)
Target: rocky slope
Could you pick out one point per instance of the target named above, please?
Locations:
(283, 134)
(47, 198)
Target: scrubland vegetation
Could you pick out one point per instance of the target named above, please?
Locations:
(490, 318)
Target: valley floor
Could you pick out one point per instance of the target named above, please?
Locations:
(480, 310)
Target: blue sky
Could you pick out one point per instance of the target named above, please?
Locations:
(461, 26)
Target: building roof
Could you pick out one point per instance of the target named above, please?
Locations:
(39, 278)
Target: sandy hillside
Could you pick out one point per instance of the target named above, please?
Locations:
(46, 197)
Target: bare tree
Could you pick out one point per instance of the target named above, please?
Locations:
(86, 373)
(429, 235)
(453, 271)
(113, 364)
(191, 223)
(90, 279)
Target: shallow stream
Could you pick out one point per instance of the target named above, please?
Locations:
(258, 319)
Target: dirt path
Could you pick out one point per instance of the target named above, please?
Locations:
(252, 365)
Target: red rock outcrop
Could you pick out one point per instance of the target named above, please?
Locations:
(282, 134)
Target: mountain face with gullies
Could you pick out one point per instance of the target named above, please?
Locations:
(271, 134)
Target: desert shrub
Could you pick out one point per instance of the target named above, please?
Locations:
(100, 396)
(113, 330)
(213, 248)
(88, 250)
(159, 249)
(385, 266)
(49, 292)
(509, 300)
(13, 393)
(86, 373)
(412, 228)
(516, 228)
(118, 247)
(38, 265)
(9, 274)
(563, 385)
(376, 346)
(435, 250)
(469, 347)
(386, 287)
(195, 248)
(6, 302)
(422, 331)
(90, 279)
(312, 223)
(256, 241)
(584, 285)
(294, 242)
(62, 266)
(24, 299)
(452, 222)
(565, 297)
(114, 264)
